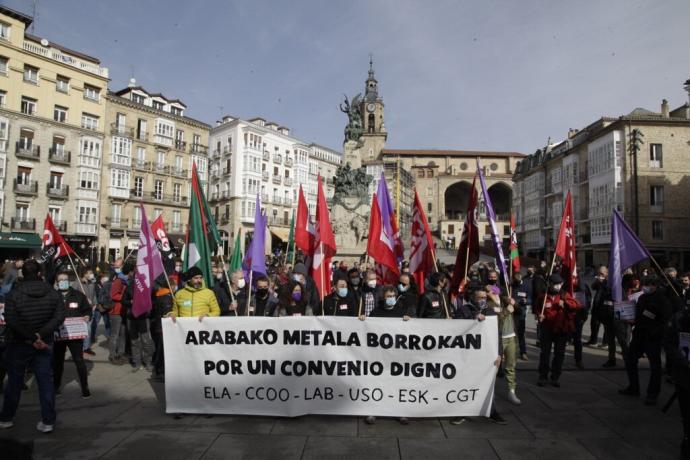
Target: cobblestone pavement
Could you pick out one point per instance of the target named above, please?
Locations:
(583, 419)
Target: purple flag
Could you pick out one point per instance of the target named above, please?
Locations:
(149, 267)
(255, 259)
(495, 237)
(386, 208)
(626, 251)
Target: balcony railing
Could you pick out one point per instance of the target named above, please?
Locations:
(23, 224)
(26, 187)
(61, 192)
(505, 217)
(288, 161)
(122, 131)
(264, 198)
(215, 155)
(277, 159)
(59, 156)
(288, 181)
(179, 172)
(226, 171)
(227, 150)
(264, 176)
(287, 201)
(196, 148)
(180, 145)
(141, 165)
(27, 150)
(116, 222)
(163, 140)
(267, 155)
(277, 200)
(141, 136)
(165, 198)
(225, 219)
(277, 179)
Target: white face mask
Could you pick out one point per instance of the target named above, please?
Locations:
(241, 283)
(371, 283)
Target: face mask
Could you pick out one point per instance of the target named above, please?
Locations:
(178, 268)
(298, 278)
(646, 289)
(354, 281)
(118, 270)
(104, 280)
(556, 288)
(492, 282)
(297, 296)
(390, 301)
(241, 283)
(402, 287)
(63, 285)
(219, 276)
(262, 292)
(90, 277)
(371, 284)
(342, 292)
(481, 303)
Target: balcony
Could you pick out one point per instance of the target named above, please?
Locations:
(122, 131)
(264, 176)
(267, 155)
(86, 227)
(153, 197)
(141, 136)
(180, 145)
(61, 225)
(162, 139)
(215, 155)
(227, 150)
(277, 159)
(289, 162)
(277, 179)
(226, 171)
(505, 217)
(176, 227)
(59, 156)
(159, 168)
(225, 219)
(3, 144)
(26, 187)
(28, 150)
(277, 200)
(116, 222)
(215, 173)
(58, 55)
(264, 198)
(287, 201)
(23, 224)
(199, 149)
(178, 172)
(288, 181)
(141, 165)
(60, 192)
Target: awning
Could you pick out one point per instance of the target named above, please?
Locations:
(280, 232)
(19, 240)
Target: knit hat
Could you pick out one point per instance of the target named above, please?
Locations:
(192, 272)
(555, 279)
(300, 268)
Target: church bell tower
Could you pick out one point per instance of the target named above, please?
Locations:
(374, 137)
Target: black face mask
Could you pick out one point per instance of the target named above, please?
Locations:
(493, 282)
(262, 292)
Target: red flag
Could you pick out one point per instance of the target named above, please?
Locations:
(324, 245)
(304, 227)
(53, 249)
(565, 246)
(421, 245)
(380, 247)
(165, 246)
(468, 251)
(514, 253)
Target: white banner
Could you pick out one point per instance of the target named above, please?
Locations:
(293, 366)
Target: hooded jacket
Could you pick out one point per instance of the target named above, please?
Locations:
(191, 301)
(31, 307)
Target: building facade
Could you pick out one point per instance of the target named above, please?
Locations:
(151, 146)
(256, 156)
(52, 121)
(604, 168)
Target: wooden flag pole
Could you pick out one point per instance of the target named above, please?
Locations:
(75, 272)
(553, 263)
(664, 275)
(249, 290)
(323, 286)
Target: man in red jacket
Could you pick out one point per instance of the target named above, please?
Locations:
(557, 319)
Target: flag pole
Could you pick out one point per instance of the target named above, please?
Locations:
(75, 272)
(553, 263)
(249, 290)
(323, 286)
(664, 275)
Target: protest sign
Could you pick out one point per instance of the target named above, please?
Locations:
(624, 311)
(73, 329)
(325, 365)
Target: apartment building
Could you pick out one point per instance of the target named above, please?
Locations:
(636, 163)
(52, 120)
(151, 146)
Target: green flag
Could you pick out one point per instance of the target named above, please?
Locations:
(236, 259)
(201, 233)
(290, 253)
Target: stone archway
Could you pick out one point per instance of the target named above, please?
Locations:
(456, 198)
(501, 195)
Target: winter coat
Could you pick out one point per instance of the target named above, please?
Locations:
(191, 301)
(31, 307)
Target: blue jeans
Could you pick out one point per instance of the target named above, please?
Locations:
(95, 319)
(17, 358)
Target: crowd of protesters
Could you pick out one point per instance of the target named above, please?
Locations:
(34, 310)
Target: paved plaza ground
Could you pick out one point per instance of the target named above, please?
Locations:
(584, 419)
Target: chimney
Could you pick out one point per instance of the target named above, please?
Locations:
(572, 132)
(664, 108)
(687, 88)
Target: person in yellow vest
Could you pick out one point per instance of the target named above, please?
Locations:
(194, 299)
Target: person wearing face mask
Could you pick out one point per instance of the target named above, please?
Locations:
(221, 290)
(76, 306)
(389, 306)
(652, 313)
(88, 283)
(408, 293)
(103, 305)
(522, 295)
(176, 278)
(600, 294)
(263, 302)
(194, 299)
(117, 292)
(238, 294)
(340, 302)
(603, 305)
(292, 301)
(354, 281)
(370, 294)
(309, 291)
(557, 320)
(434, 303)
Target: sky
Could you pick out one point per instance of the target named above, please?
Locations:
(469, 75)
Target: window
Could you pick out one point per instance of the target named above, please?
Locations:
(23, 175)
(164, 132)
(141, 154)
(655, 156)
(177, 219)
(119, 178)
(89, 121)
(138, 186)
(62, 84)
(137, 215)
(92, 93)
(120, 122)
(160, 159)
(178, 162)
(28, 105)
(430, 173)
(657, 230)
(60, 114)
(90, 153)
(89, 180)
(4, 31)
(55, 212)
(177, 192)
(55, 180)
(3, 65)
(158, 190)
(22, 212)
(656, 198)
(158, 105)
(3, 98)
(30, 74)
(138, 98)
(179, 139)
(157, 212)
(59, 145)
(26, 138)
(429, 208)
(87, 215)
(141, 129)
(116, 212)
(121, 150)
(176, 111)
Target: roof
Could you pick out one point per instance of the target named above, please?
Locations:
(143, 90)
(16, 15)
(449, 153)
(64, 49)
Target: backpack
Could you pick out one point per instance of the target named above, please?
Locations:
(104, 298)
